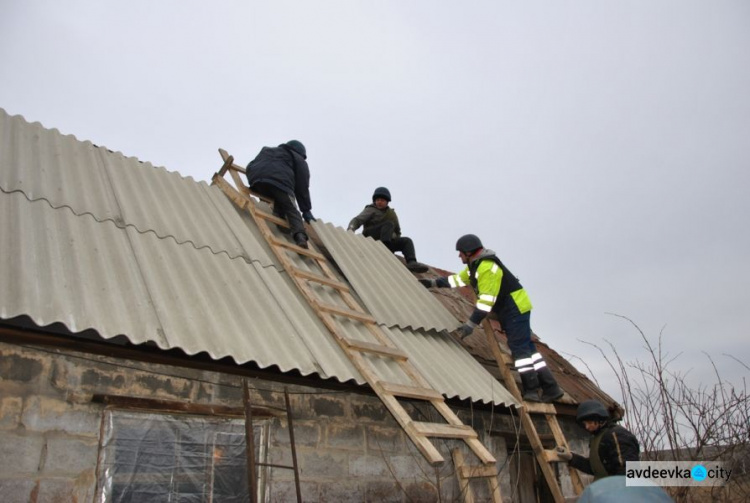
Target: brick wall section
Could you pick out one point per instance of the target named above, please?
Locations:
(349, 448)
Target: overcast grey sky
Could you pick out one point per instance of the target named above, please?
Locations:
(601, 148)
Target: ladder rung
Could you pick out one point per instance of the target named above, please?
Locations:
(298, 249)
(273, 465)
(551, 456)
(348, 313)
(272, 218)
(320, 279)
(445, 430)
(378, 349)
(263, 198)
(539, 408)
(411, 391)
(469, 472)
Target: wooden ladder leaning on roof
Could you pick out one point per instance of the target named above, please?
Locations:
(383, 347)
(545, 457)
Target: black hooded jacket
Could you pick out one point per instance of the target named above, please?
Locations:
(285, 169)
(616, 447)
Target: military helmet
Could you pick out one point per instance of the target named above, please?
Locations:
(468, 243)
(591, 410)
(381, 192)
(297, 147)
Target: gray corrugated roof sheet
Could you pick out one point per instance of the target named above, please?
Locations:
(96, 240)
(394, 298)
(44, 164)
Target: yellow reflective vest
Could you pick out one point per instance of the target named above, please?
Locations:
(491, 281)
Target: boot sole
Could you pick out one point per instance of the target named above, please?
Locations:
(550, 399)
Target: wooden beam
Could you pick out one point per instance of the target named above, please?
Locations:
(376, 349)
(347, 313)
(281, 222)
(539, 408)
(132, 402)
(445, 430)
(317, 278)
(297, 249)
(410, 391)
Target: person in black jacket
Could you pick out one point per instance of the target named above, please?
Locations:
(281, 173)
(610, 447)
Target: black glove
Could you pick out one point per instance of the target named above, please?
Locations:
(563, 453)
(308, 216)
(427, 283)
(466, 329)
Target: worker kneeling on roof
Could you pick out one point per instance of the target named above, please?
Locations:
(381, 223)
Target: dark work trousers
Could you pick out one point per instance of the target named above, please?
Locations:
(284, 206)
(384, 233)
(517, 328)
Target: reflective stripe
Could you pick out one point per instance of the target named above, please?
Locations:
(525, 369)
(524, 362)
(455, 281)
(488, 297)
(494, 269)
(484, 307)
(538, 361)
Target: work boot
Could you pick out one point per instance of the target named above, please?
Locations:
(551, 391)
(415, 266)
(530, 385)
(300, 239)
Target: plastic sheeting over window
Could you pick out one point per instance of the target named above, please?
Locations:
(148, 457)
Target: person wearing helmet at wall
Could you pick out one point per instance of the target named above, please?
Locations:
(610, 446)
(381, 223)
(281, 173)
(498, 291)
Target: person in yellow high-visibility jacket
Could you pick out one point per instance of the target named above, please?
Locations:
(499, 291)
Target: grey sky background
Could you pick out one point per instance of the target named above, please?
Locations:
(601, 148)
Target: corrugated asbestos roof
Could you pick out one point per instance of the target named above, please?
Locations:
(44, 164)
(96, 240)
(394, 298)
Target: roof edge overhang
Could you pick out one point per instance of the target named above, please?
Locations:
(22, 330)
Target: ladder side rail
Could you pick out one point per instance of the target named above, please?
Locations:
(557, 432)
(474, 444)
(252, 480)
(465, 473)
(526, 421)
(290, 424)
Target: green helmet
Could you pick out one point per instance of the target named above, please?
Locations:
(591, 410)
(381, 192)
(297, 147)
(468, 243)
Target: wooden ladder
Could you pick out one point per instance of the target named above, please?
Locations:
(252, 463)
(545, 457)
(381, 347)
(466, 473)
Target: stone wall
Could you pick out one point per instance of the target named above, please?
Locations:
(349, 448)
